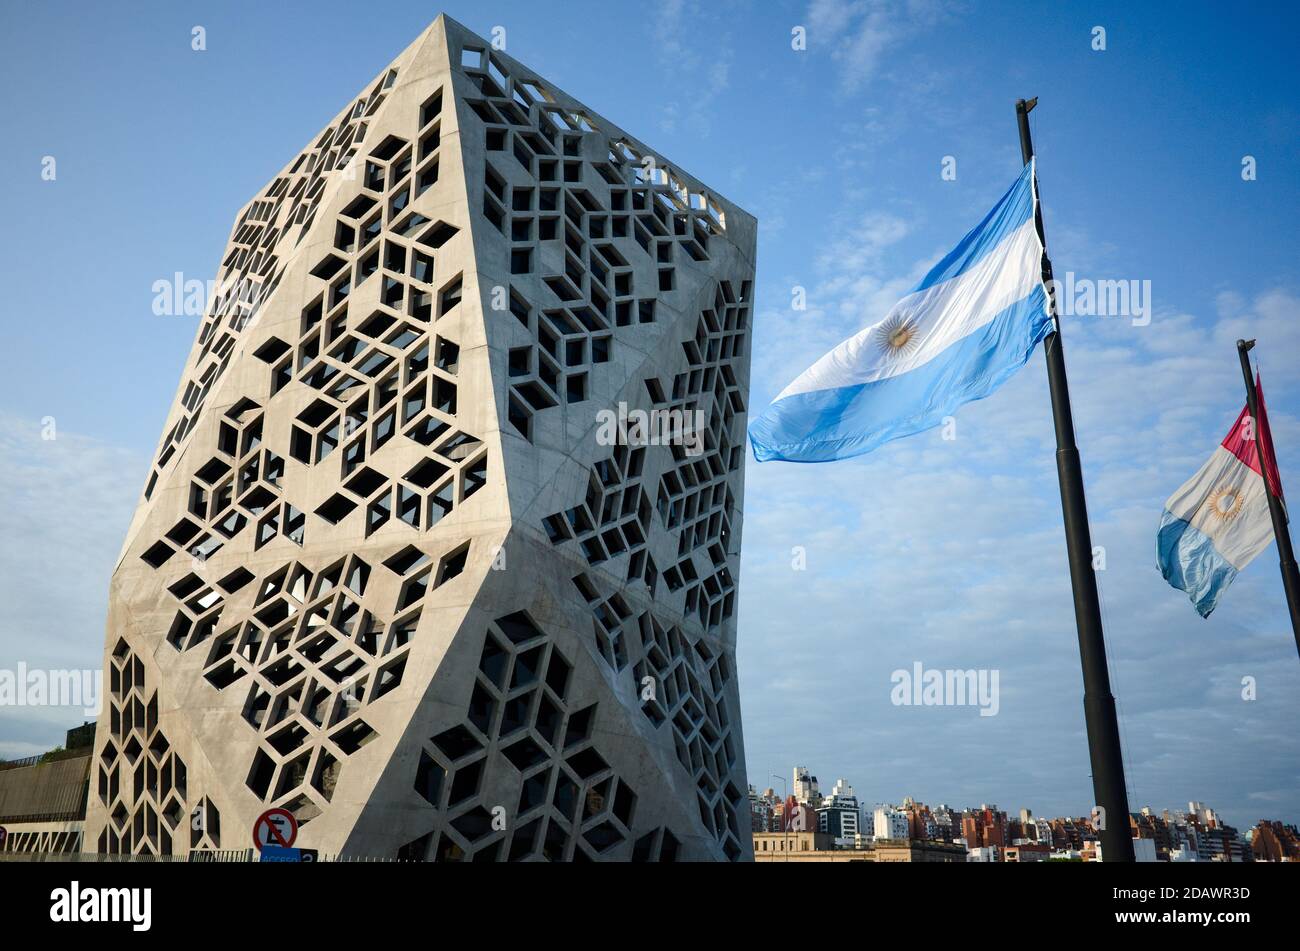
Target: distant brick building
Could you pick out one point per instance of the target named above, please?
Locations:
(1271, 841)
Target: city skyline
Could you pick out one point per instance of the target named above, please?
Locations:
(846, 828)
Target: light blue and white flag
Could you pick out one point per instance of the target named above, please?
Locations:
(963, 331)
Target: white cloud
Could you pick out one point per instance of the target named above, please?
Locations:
(860, 35)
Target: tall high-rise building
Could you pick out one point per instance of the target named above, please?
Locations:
(804, 788)
(440, 546)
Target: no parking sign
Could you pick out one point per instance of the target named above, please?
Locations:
(275, 827)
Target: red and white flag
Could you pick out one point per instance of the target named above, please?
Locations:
(1218, 521)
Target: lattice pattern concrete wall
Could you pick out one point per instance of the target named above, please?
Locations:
(385, 572)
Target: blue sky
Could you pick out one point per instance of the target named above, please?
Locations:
(945, 552)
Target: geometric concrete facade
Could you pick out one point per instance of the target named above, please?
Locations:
(389, 570)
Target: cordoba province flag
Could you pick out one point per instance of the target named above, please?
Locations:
(1218, 521)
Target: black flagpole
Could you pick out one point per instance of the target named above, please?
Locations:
(1098, 704)
(1286, 556)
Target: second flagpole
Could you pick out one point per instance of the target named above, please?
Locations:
(1285, 554)
(1098, 703)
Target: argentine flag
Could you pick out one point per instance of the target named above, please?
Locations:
(971, 323)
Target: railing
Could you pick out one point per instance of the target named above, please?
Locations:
(50, 757)
(229, 855)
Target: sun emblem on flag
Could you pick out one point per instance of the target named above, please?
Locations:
(1225, 502)
(896, 336)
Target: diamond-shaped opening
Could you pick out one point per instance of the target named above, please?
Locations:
(406, 560)
(317, 413)
(158, 553)
(452, 564)
(494, 661)
(359, 206)
(159, 746)
(525, 754)
(548, 719)
(257, 499)
(328, 267)
(643, 850)
(365, 482)
(326, 775)
(413, 590)
(438, 234)
(579, 727)
(186, 586)
(482, 706)
(514, 715)
(427, 430)
(272, 350)
(388, 148)
(624, 804)
(336, 508)
(224, 674)
(565, 798)
(527, 666)
(475, 824)
(235, 580)
(448, 850)
(603, 837)
(293, 774)
(288, 739)
(352, 737)
(555, 842)
(518, 627)
(464, 784)
(211, 473)
(596, 799)
(557, 674)
(457, 742)
(426, 473)
(532, 792)
(389, 677)
(173, 813)
(524, 841)
(429, 777)
(304, 809)
(260, 774)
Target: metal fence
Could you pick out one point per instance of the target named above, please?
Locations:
(53, 756)
(229, 855)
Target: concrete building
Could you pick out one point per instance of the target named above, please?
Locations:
(820, 847)
(804, 787)
(43, 798)
(919, 852)
(805, 847)
(1026, 852)
(764, 810)
(839, 815)
(440, 546)
(891, 823)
